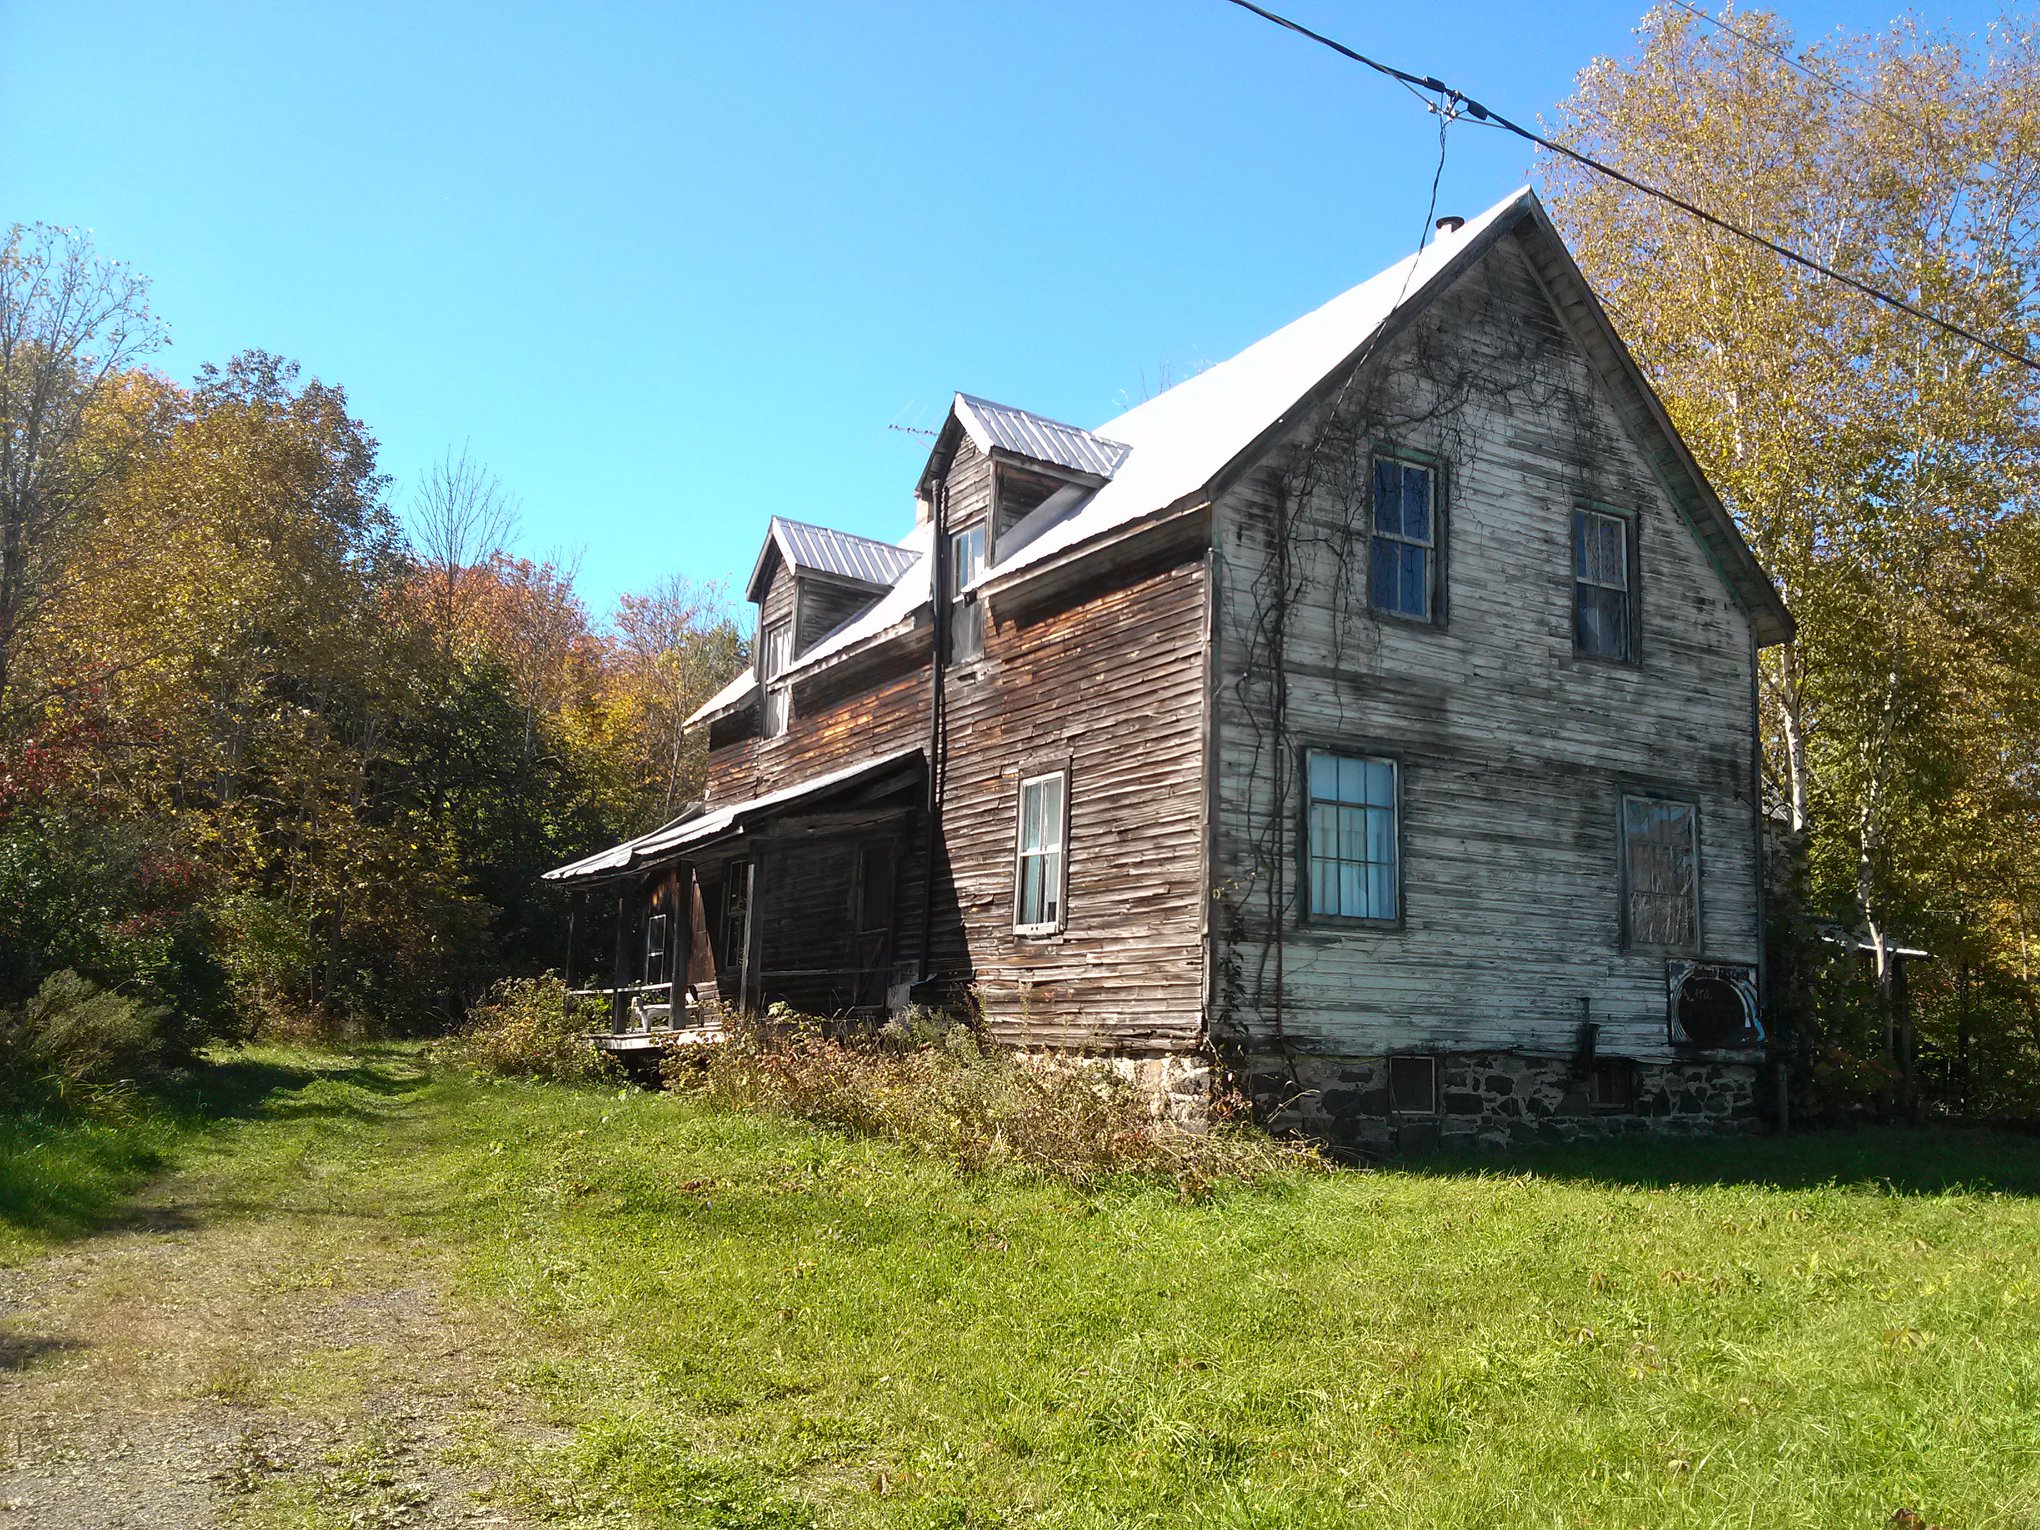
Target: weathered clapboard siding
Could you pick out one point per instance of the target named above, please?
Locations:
(1514, 751)
(823, 606)
(1111, 686)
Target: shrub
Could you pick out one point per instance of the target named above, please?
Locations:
(83, 1044)
(530, 1028)
(932, 1082)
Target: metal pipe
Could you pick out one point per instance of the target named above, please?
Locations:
(938, 628)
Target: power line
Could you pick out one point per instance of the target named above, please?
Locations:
(1819, 77)
(1462, 103)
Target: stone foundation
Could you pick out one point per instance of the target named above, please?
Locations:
(1177, 1085)
(1498, 1100)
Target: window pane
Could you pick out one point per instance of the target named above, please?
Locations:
(1380, 892)
(1033, 834)
(1352, 780)
(1051, 887)
(1051, 812)
(1614, 567)
(1324, 777)
(1601, 621)
(1579, 544)
(1414, 598)
(1416, 503)
(1324, 831)
(1352, 834)
(1321, 883)
(1029, 910)
(1381, 836)
(1387, 496)
(1382, 590)
(1380, 783)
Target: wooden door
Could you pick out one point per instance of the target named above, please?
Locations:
(872, 925)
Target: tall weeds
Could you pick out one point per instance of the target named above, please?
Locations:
(935, 1084)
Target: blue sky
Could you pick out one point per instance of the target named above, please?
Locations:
(670, 269)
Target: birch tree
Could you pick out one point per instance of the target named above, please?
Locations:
(1884, 470)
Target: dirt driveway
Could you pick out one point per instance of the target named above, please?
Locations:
(250, 1354)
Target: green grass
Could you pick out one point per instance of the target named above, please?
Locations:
(739, 1321)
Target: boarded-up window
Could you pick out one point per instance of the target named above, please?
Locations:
(1405, 538)
(778, 657)
(1038, 876)
(1352, 850)
(1602, 613)
(1661, 872)
(966, 617)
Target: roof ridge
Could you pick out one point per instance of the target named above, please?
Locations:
(1036, 414)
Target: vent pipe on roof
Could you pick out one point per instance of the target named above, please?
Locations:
(1451, 224)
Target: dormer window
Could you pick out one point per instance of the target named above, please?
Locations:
(966, 613)
(776, 649)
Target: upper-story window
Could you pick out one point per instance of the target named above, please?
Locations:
(1604, 607)
(966, 616)
(1405, 544)
(1351, 852)
(777, 657)
(1660, 873)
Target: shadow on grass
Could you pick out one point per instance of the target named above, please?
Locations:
(1892, 1160)
(65, 1174)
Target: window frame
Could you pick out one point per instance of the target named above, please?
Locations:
(1433, 467)
(1604, 1068)
(773, 692)
(1034, 776)
(1307, 916)
(966, 612)
(1632, 572)
(1430, 1060)
(1638, 792)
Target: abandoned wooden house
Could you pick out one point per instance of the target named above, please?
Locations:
(1373, 713)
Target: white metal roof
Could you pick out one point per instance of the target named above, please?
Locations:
(1027, 434)
(1181, 439)
(821, 550)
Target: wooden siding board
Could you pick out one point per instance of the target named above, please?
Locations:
(1514, 750)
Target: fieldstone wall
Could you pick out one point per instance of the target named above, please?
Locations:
(1177, 1084)
(1499, 1099)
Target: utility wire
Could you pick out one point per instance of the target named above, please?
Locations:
(1460, 102)
(1819, 77)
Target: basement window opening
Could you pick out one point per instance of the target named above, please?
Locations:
(1413, 1086)
(1612, 1086)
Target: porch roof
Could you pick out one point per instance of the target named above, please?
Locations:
(700, 825)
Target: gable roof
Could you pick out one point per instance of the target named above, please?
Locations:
(1185, 444)
(822, 550)
(1188, 442)
(1001, 427)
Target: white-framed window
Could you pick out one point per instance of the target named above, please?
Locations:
(966, 617)
(1351, 849)
(1405, 543)
(777, 649)
(1038, 860)
(1603, 612)
(1660, 873)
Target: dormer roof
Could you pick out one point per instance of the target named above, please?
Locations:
(835, 554)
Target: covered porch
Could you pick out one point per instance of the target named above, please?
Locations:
(803, 896)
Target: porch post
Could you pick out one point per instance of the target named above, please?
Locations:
(619, 1001)
(751, 987)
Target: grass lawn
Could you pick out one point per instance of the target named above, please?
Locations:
(729, 1321)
